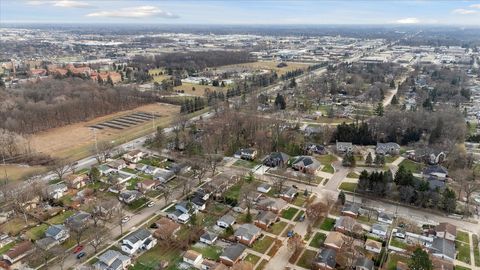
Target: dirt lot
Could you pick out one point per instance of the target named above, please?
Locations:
(76, 141)
(271, 65)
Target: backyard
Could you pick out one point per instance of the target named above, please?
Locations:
(289, 213)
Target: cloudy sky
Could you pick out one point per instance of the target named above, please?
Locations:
(455, 12)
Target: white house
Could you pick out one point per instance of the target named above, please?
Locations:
(57, 232)
(226, 221)
(140, 239)
(192, 257)
(264, 188)
(373, 246)
(208, 238)
(112, 260)
(179, 216)
(56, 191)
(380, 229)
(134, 156)
(385, 218)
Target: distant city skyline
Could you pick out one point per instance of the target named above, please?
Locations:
(247, 12)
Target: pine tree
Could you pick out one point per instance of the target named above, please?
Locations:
(394, 100)
(420, 260)
(379, 110)
(369, 160)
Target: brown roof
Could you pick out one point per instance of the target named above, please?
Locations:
(335, 238)
(166, 228)
(191, 255)
(373, 244)
(446, 227)
(19, 250)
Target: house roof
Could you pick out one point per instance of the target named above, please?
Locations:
(335, 239)
(247, 230)
(306, 161)
(435, 169)
(388, 145)
(373, 244)
(233, 252)
(385, 216)
(444, 246)
(380, 227)
(327, 256)
(228, 219)
(148, 183)
(209, 236)
(364, 262)
(19, 250)
(278, 156)
(446, 227)
(191, 255)
(289, 191)
(351, 207)
(273, 203)
(127, 194)
(112, 258)
(264, 186)
(138, 236)
(266, 217)
(346, 222)
(54, 230)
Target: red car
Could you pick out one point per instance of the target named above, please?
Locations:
(77, 249)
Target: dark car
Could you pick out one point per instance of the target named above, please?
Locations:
(81, 255)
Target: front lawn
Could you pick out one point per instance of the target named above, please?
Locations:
(476, 251)
(234, 192)
(262, 265)
(289, 213)
(463, 250)
(263, 244)
(277, 228)
(253, 259)
(398, 243)
(209, 252)
(152, 258)
(328, 169)
(390, 159)
(412, 166)
(463, 237)
(37, 232)
(348, 186)
(300, 200)
(318, 240)
(326, 159)
(353, 175)
(7, 247)
(458, 267)
(138, 204)
(245, 164)
(327, 224)
(60, 218)
(307, 258)
(393, 258)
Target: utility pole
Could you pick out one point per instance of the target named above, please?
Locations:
(5, 168)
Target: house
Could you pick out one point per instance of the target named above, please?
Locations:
(177, 168)
(351, 209)
(334, 240)
(430, 156)
(118, 178)
(203, 194)
(312, 148)
(265, 219)
(46, 243)
(347, 224)
(185, 207)
(226, 221)
(163, 175)
(18, 252)
(363, 263)
(129, 196)
(325, 259)
(79, 219)
(192, 257)
(151, 170)
(211, 265)
(443, 248)
(104, 169)
(107, 207)
(246, 153)
(276, 159)
(208, 238)
(146, 185)
(179, 216)
(344, 147)
(264, 188)
(306, 164)
(373, 246)
(140, 239)
(58, 232)
(141, 167)
(166, 228)
(441, 264)
(76, 181)
(232, 254)
(446, 230)
(112, 260)
(242, 207)
(56, 191)
(247, 234)
(271, 204)
(385, 218)
(117, 164)
(288, 193)
(380, 229)
(134, 156)
(399, 232)
(198, 203)
(389, 148)
(437, 171)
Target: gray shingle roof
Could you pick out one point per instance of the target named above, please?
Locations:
(444, 246)
(327, 256)
(234, 251)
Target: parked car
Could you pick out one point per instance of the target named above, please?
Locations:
(81, 255)
(77, 249)
(125, 219)
(150, 204)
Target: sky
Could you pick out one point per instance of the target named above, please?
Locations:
(248, 12)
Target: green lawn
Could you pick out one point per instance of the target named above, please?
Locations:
(463, 252)
(60, 218)
(37, 232)
(328, 169)
(7, 247)
(132, 183)
(326, 159)
(458, 267)
(476, 251)
(262, 265)
(152, 258)
(234, 191)
(398, 243)
(393, 258)
(299, 200)
(318, 240)
(209, 252)
(327, 224)
(128, 170)
(412, 166)
(390, 159)
(263, 244)
(253, 259)
(353, 175)
(138, 204)
(348, 186)
(245, 163)
(289, 213)
(463, 236)
(306, 259)
(277, 228)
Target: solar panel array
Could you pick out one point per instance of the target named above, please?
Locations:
(126, 121)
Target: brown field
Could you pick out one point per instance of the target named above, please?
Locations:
(76, 141)
(19, 172)
(199, 89)
(271, 65)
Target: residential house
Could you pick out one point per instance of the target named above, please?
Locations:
(163, 175)
(211, 265)
(79, 219)
(437, 171)
(177, 168)
(76, 181)
(112, 260)
(134, 156)
(306, 164)
(271, 204)
(334, 240)
(46, 243)
(288, 194)
(446, 230)
(276, 159)
(104, 169)
(141, 167)
(56, 191)
(389, 148)
(265, 219)
(129, 196)
(241, 207)
(373, 246)
(203, 194)
(18, 252)
(179, 216)
(430, 156)
(351, 209)
(347, 224)
(380, 229)
(246, 153)
(151, 170)
(385, 218)
(344, 147)
(264, 188)
(312, 148)
(193, 258)
(118, 179)
(208, 238)
(186, 207)
(443, 248)
(399, 232)
(226, 221)
(326, 259)
(247, 234)
(440, 264)
(140, 239)
(117, 164)
(165, 228)
(146, 185)
(363, 263)
(232, 254)
(58, 232)
(198, 203)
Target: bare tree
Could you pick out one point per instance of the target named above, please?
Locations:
(99, 236)
(199, 169)
(78, 230)
(315, 211)
(167, 194)
(278, 183)
(61, 167)
(295, 243)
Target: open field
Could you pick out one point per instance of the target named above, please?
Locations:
(19, 172)
(199, 89)
(270, 65)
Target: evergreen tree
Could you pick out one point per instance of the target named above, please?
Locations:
(379, 110)
(341, 197)
(95, 174)
(293, 83)
(369, 160)
(394, 100)
(280, 102)
(449, 202)
(420, 260)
